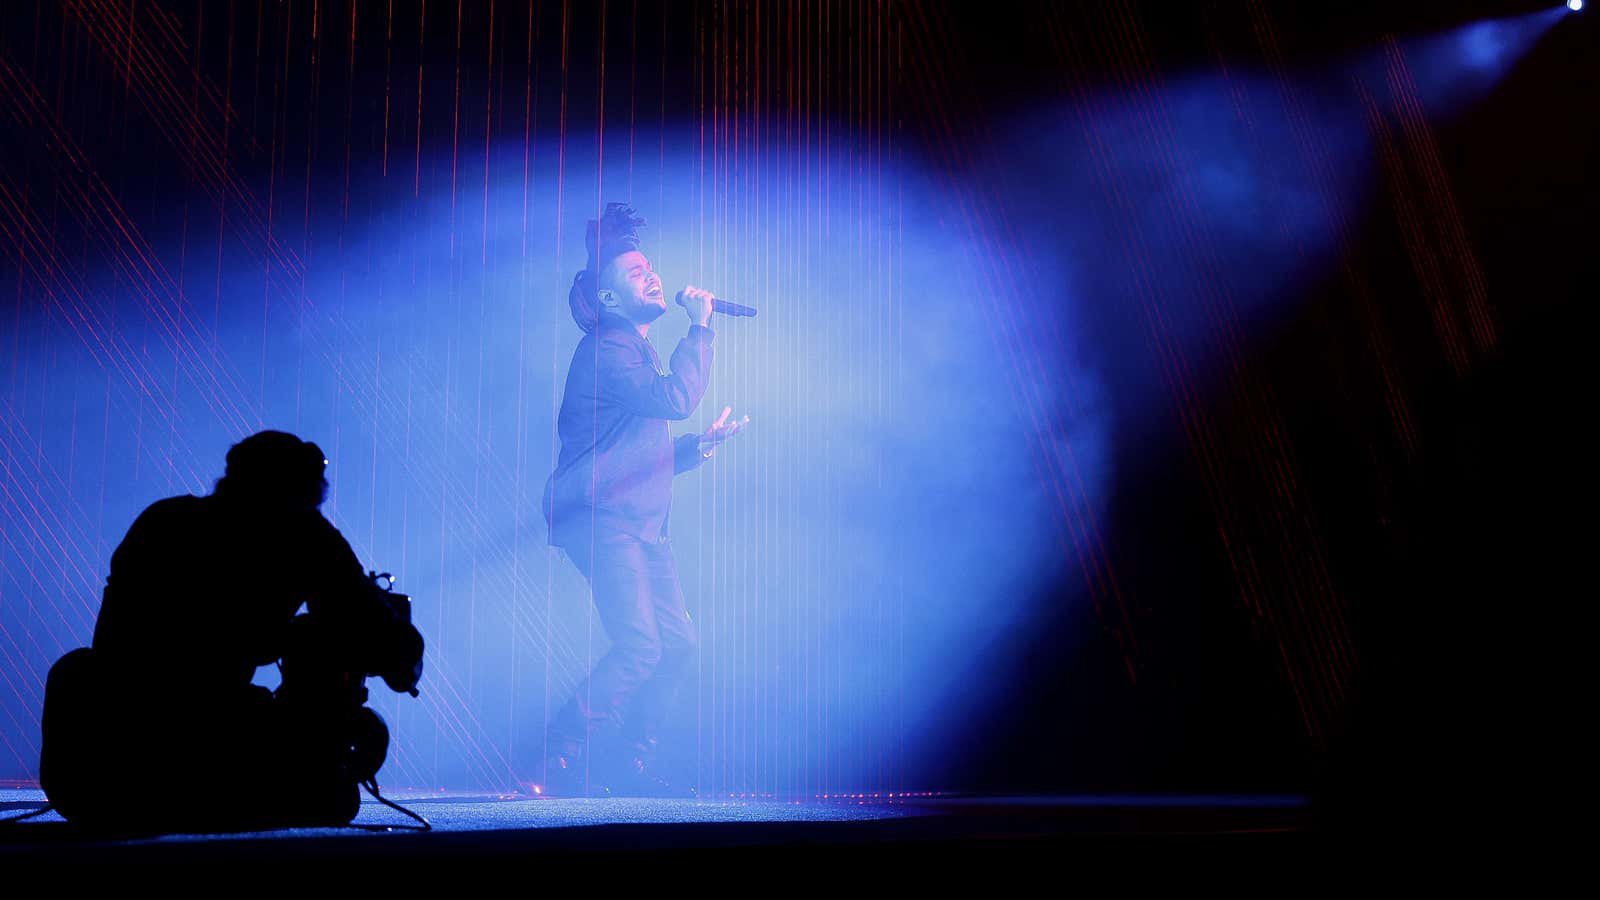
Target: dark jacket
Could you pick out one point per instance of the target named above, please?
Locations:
(614, 474)
(202, 589)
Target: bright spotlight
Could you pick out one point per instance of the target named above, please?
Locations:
(1574, 5)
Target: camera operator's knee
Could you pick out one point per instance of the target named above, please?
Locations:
(74, 728)
(369, 744)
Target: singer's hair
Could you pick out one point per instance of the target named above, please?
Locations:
(613, 234)
(584, 301)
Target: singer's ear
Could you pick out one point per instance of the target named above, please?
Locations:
(607, 298)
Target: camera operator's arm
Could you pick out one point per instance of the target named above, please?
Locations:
(375, 623)
(336, 575)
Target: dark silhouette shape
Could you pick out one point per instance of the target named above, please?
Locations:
(203, 590)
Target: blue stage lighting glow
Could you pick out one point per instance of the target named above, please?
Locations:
(879, 580)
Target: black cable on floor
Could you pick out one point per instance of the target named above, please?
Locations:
(28, 815)
(371, 785)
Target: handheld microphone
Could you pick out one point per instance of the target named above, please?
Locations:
(727, 307)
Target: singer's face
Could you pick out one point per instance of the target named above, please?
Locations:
(635, 287)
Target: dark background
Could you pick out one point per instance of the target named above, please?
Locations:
(1457, 561)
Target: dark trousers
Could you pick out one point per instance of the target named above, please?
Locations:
(653, 643)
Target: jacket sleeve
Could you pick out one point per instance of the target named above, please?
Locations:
(337, 585)
(686, 453)
(380, 639)
(628, 378)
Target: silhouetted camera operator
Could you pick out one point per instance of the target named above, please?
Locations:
(158, 725)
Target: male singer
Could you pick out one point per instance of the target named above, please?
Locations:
(607, 503)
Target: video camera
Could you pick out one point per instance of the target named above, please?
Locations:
(397, 648)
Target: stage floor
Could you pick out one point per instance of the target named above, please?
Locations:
(476, 826)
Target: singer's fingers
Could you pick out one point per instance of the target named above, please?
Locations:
(722, 418)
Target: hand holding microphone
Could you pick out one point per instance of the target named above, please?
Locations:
(697, 304)
(691, 298)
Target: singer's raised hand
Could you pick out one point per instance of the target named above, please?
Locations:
(697, 303)
(721, 429)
